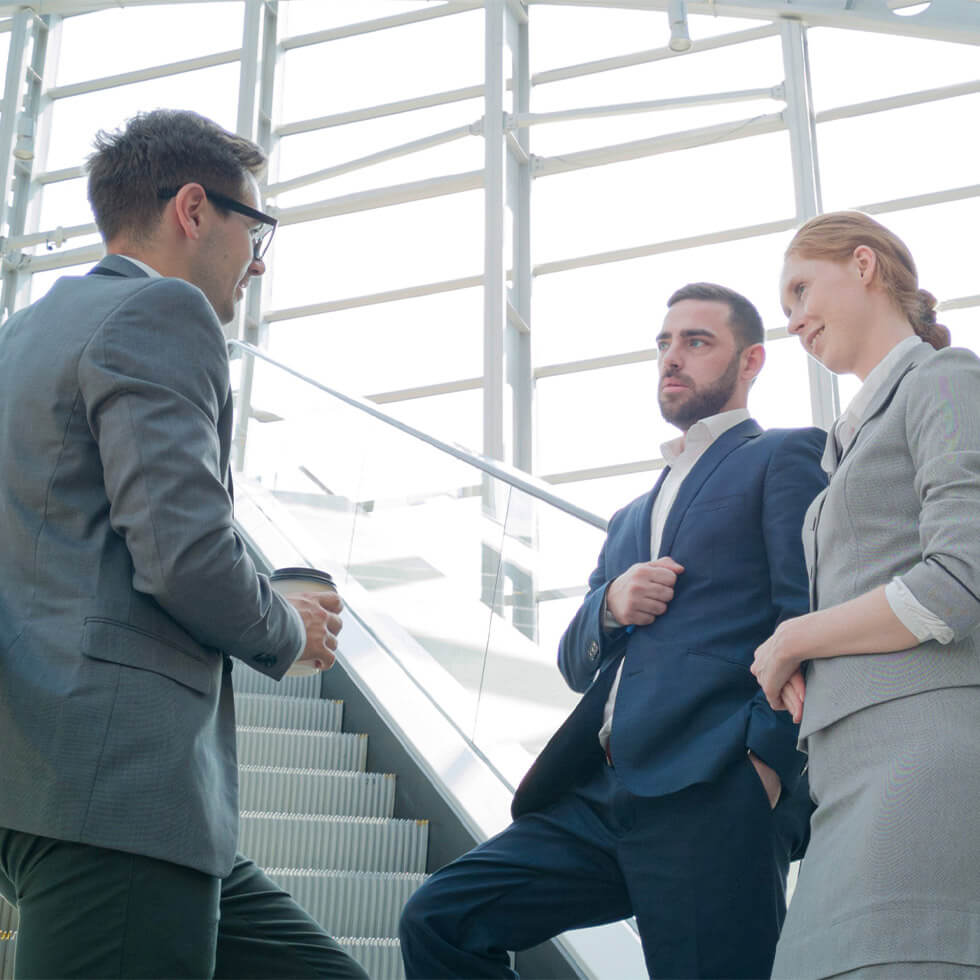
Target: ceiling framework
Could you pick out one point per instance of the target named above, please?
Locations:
(503, 120)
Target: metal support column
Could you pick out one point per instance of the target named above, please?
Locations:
(494, 270)
(20, 148)
(12, 205)
(255, 104)
(508, 378)
(495, 499)
(520, 372)
(824, 399)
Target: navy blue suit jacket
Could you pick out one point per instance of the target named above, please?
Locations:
(688, 705)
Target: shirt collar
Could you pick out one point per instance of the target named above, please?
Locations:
(148, 269)
(702, 434)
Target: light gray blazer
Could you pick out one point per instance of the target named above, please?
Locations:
(903, 500)
(123, 585)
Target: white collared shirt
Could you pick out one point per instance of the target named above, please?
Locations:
(919, 621)
(680, 455)
(148, 269)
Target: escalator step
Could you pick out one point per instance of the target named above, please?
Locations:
(278, 840)
(276, 711)
(350, 903)
(248, 681)
(381, 958)
(344, 794)
(294, 749)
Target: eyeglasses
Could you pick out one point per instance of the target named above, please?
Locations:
(261, 236)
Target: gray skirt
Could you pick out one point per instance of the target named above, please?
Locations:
(892, 872)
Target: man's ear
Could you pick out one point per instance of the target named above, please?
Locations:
(189, 207)
(753, 357)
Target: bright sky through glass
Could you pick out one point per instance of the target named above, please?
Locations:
(592, 418)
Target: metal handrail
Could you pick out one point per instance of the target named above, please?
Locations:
(516, 478)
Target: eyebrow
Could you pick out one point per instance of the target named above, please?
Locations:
(692, 332)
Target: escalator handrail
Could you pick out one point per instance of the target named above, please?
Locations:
(516, 478)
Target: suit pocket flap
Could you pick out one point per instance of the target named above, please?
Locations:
(120, 643)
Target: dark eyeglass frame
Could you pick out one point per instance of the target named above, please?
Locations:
(261, 237)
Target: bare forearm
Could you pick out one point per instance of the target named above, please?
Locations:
(862, 625)
(866, 624)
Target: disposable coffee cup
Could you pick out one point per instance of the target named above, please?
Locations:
(293, 581)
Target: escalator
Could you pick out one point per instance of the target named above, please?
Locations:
(458, 575)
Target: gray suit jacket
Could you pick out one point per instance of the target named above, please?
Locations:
(123, 585)
(904, 500)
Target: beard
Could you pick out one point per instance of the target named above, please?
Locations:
(700, 403)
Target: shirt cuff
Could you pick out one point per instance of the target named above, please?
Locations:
(918, 620)
(609, 621)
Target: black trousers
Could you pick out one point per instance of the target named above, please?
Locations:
(702, 870)
(88, 912)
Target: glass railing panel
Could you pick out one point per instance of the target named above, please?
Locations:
(479, 577)
(545, 559)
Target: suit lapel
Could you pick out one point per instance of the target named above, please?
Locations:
(877, 404)
(642, 523)
(726, 443)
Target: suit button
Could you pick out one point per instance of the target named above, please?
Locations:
(593, 650)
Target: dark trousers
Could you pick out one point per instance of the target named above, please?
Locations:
(88, 912)
(700, 870)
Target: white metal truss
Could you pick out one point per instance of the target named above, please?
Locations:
(23, 137)
(509, 166)
(824, 399)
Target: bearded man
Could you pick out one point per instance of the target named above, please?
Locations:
(673, 792)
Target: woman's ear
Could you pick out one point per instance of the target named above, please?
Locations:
(866, 263)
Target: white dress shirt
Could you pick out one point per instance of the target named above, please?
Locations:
(148, 269)
(680, 455)
(919, 621)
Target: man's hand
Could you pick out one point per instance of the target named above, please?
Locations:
(321, 620)
(770, 779)
(642, 592)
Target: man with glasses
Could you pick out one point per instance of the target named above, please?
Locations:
(125, 591)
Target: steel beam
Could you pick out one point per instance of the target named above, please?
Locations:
(652, 55)
(380, 24)
(144, 74)
(519, 311)
(943, 20)
(380, 111)
(600, 156)
(380, 197)
(13, 89)
(259, 60)
(19, 144)
(659, 248)
(381, 156)
(824, 397)
(655, 105)
(899, 101)
(372, 299)
(494, 190)
(960, 303)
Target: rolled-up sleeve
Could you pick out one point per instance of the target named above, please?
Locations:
(943, 431)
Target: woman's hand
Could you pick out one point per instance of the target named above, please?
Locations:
(793, 695)
(777, 667)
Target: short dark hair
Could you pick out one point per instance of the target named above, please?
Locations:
(743, 317)
(164, 148)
